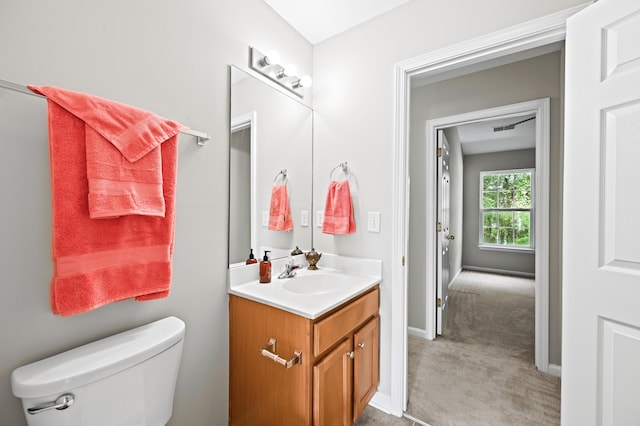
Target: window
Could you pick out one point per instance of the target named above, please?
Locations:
(506, 209)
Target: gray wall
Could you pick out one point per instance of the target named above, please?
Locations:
(354, 120)
(165, 56)
(472, 256)
(535, 78)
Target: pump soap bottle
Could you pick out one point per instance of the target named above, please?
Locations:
(265, 269)
(251, 259)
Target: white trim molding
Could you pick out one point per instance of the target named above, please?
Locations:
(498, 271)
(418, 332)
(555, 370)
(536, 33)
(243, 121)
(542, 110)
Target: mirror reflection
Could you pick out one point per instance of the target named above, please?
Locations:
(270, 171)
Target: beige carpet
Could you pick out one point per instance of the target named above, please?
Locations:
(481, 372)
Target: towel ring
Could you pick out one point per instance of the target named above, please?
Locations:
(282, 173)
(345, 169)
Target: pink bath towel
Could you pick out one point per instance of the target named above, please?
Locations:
(123, 159)
(99, 261)
(279, 212)
(338, 209)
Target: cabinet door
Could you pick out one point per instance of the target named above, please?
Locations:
(332, 387)
(366, 366)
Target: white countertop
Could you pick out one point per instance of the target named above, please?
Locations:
(352, 282)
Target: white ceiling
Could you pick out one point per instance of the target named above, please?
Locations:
(318, 20)
(480, 137)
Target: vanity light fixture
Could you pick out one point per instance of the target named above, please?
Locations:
(268, 66)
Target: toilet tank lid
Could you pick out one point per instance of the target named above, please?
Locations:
(96, 360)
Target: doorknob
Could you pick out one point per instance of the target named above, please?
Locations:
(451, 237)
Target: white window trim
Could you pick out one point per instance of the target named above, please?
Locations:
(500, 247)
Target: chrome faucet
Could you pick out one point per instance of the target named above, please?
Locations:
(289, 270)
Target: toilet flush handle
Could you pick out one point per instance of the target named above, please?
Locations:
(63, 402)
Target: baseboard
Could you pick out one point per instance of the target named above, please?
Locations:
(498, 271)
(415, 420)
(455, 276)
(382, 402)
(417, 332)
(555, 370)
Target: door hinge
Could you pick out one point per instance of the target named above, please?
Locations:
(402, 260)
(438, 302)
(439, 227)
(439, 152)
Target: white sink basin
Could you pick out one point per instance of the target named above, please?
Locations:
(321, 283)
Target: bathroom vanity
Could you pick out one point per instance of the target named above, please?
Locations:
(303, 352)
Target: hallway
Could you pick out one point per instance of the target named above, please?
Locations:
(481, 371)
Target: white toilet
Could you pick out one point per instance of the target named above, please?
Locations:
(126, 379)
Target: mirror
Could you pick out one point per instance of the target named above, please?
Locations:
(271, 136)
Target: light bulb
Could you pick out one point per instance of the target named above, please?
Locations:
(303, 82)
(287, 71)
(271, 58)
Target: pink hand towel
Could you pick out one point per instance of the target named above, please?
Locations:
(279, 212)
(102, 261)
(338, 209)
(123, 159)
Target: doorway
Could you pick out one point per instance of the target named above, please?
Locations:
(478, 137)
(540, 109)
(480, 52)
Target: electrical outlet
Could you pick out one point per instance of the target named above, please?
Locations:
(265, 218)
(373, 222)
(304, 218)
(320, 218)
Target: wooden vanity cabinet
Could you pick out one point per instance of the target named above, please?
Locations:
(336, 379)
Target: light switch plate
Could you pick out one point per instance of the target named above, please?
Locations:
(320, 218)
(304, 218)
(265, 218)
(373, 222)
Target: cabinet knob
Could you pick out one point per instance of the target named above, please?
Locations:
(350, 354)
(361, 345)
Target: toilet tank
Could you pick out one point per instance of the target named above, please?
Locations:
(126, 379)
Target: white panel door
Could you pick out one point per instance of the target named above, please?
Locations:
(601, 278)
(443, 236)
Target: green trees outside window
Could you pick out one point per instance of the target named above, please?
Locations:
(506, 208)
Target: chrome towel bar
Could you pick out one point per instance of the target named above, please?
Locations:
(201, 137)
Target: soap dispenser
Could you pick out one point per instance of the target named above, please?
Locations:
(251, 259)
(265, 269)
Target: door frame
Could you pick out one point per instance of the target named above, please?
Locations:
(541, 108)
(528, 35)
(244, 121)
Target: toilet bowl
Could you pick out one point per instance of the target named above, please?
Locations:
(126, 379)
